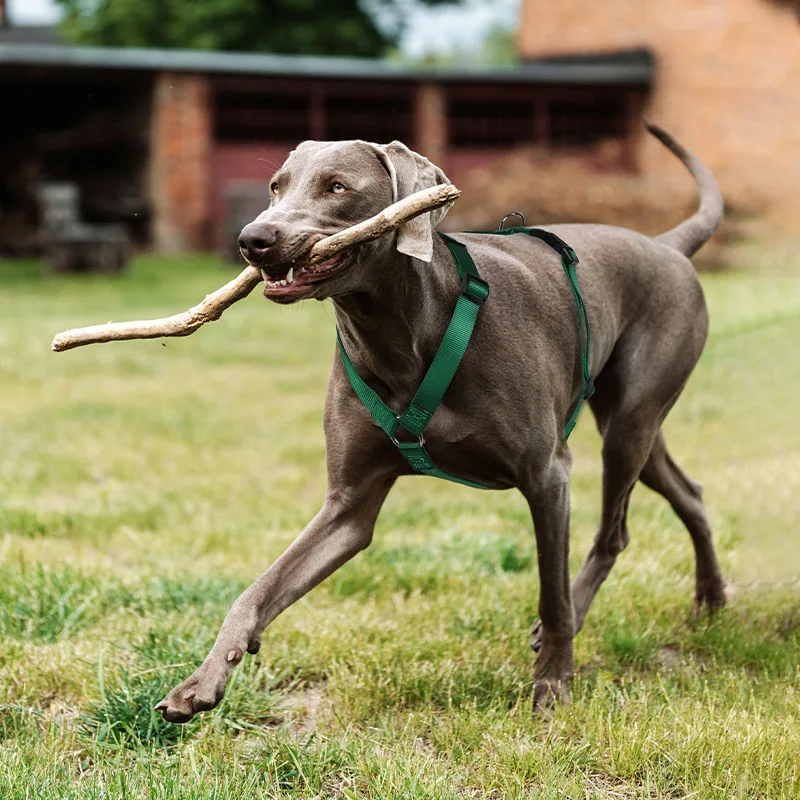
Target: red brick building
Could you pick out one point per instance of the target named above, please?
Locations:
(165, 138)
(728, 81)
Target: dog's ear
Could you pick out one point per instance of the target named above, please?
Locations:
(411, 172)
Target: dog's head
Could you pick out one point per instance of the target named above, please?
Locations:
(323, 188)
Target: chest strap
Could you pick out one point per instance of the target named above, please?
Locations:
(415, 418)
(473, 294)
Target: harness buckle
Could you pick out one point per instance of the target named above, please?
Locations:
(513, 214)
(396, 441)
(475, 289)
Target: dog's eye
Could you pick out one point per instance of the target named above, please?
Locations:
(338, 188)
(273, 187)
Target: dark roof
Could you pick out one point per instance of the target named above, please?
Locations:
(29, 34)
(583, 70)
(637, 57)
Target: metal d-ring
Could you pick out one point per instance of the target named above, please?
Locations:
(512, 214)
(395, 440)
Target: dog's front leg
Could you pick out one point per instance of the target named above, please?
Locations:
(547, 493)
(341, 529)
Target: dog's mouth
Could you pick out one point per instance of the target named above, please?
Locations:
(299, 280)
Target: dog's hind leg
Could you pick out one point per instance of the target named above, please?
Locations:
(627, 440)
(630, 404)
(663, 475)
(625, 451)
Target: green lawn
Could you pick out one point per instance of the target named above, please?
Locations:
(144, 484)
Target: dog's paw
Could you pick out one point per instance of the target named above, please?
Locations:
(200, 692)
(711, 596)
(547, 693)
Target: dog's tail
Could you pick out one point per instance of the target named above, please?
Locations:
(694, 232)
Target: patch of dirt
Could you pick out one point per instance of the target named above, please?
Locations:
(671, 659)
(303, 709)
(787, 626)
(611, 787)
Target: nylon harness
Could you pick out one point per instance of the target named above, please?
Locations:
(473, 294)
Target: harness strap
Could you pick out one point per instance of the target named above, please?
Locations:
(473, 294)
(569, 260)
(415, 418)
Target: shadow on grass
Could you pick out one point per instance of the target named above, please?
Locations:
(762, 638)
(431, 565)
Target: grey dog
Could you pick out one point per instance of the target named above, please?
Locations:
(501, 422)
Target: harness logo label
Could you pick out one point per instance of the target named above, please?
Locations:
(419, 462)
(417, 416)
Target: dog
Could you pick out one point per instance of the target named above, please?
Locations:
(501, 422)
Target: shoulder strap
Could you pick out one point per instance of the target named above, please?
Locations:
(473, 294)
(569, 260)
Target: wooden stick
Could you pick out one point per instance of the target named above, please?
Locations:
(214, 304)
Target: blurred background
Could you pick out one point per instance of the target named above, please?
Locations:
(165, 120)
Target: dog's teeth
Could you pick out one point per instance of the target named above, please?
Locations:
(264, 275)
(290, 275)
(283, 283)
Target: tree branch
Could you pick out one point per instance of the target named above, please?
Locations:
(214, 304)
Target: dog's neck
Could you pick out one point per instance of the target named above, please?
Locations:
(392, 328)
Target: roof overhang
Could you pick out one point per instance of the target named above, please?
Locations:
(577, 70)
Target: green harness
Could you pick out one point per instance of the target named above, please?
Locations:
(473, 294)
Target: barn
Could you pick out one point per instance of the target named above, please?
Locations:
(179, 145)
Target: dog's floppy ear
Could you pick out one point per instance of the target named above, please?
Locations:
(411, 172)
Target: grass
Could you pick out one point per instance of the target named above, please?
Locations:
(143, 485)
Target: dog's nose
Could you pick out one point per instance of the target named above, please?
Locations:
(256, 239)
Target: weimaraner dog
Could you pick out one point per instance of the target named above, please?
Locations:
(502, 421)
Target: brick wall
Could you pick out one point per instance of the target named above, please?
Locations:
(430, 120)
(728, 81)
(180, 162)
